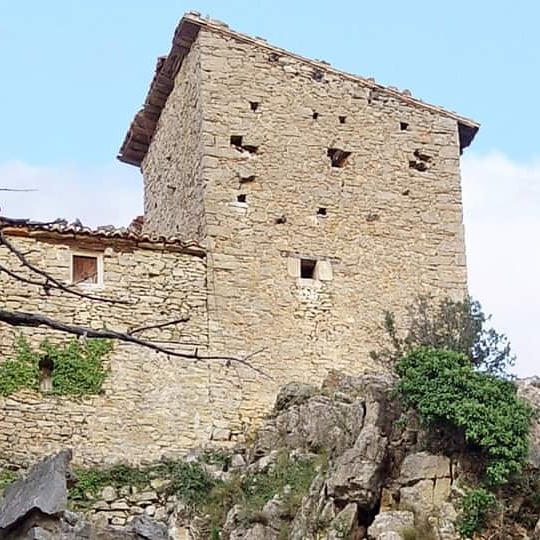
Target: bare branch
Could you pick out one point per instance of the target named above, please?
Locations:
(16, 189)
(32, 320)
(161, 325)
(50, 281)
(24, 279)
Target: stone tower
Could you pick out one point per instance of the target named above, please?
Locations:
(323, 198)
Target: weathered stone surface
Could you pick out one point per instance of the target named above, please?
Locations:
(145, 528)
(529, 391)
(320, 423)
(108, 494)
(395, 521)
(357, 473)
(343, 523)
(261, 532)
(423, 465)
(293, 393)
(43, 490)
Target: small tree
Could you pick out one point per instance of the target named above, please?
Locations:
(457, 326)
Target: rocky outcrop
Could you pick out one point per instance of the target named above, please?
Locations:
(35, 508)
(373, 475)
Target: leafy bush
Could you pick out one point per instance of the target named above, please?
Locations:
(446, 391)
(458, 326)
(78, 367)
(6, 478)
(475, 507)
(187, 480)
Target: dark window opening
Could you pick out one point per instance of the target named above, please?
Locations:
(85, 269)
(307, 268)
(254, 105)
(273, 57)
(403, 126)
(338, 157)
(46, 366)
(237, 142)
(342, 119)
(321, 211)
(242, 198)
(418, 165)
(315, 115)
(317, 75)
(406, 192)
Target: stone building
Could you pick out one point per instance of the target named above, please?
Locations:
(287, 205)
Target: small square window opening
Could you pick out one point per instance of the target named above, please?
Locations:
(321, 211)
(315, 115)
(403, 126)
(342, 119)
(242, 198)
(84, 269)
(338, 157)
(254, 105)
(307, 268)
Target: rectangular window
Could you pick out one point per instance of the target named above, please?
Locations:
(85, 269)
(307, 268)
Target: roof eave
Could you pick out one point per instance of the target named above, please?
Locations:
(144, 124)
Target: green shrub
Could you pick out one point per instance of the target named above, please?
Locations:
(7, 477)
(446, 391)
(475, 508)
(447, 324)
(78, 367)
(187, 480)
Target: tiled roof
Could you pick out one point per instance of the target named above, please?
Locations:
(60, 228)
(143, 126)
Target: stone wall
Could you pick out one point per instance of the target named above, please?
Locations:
(383, 228)
(173, 187)
(152, 404)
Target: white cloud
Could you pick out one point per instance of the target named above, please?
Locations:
(502, 222)
(111, 194)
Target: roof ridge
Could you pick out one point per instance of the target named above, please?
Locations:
(143, 126)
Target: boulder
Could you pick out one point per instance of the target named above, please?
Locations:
(396, 521)
(423, 465)
(344, 523)
(148, 529)
(319, 423)
(293, 394)
(357, 473)
(43, 490)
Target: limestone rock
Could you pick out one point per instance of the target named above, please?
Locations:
(343, 523)
(293, 394)
(386, 522)
(357, 473)
(261, 532)
(423, 465)
(529, 391)
(108, 494)
(145, 528)
(43, 490)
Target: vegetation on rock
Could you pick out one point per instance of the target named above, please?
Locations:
(476, 506)
(446, 391)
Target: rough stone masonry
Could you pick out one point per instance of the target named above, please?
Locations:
(320, 199)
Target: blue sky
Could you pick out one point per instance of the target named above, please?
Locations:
(75, 72)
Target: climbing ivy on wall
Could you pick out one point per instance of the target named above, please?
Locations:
(78, 367)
